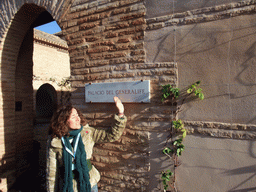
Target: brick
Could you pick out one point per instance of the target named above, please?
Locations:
(122, 47)
(121, 68)
(122, 25)
(77, 78)
(82, 20)
(87, 33)
(132, 16)
(96, 77)
(137, 46)
(104, 43)
(93, 4)
(168, 80)
(123, 40)
(127, 2)
(72, 30)
(72, 16)
(77, 65)
(144, 73)
(76, 60)
(138, 37)
(107, 6)
(138, 21)
(74, 42)
(137, 7)
(153, 65)
(88, 25)
(121, 75)
(79, 71)
(98, 50)
(92, 39)
(140, 28)
(138, 52)
(96, 56)
(111, 35)
(119, 11)
(63, 25)
(115, 55)
(104, 15)
(101, 69)
(97, 63)
(88, 12)
(79, 8)
(72, 23)
(110, 28)
(76, 53)
(128, 60)
(127, 32)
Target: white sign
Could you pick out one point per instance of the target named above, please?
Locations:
(128, 92)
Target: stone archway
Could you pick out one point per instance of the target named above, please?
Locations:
(16, 112)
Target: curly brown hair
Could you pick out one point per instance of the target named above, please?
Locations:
(59, 126)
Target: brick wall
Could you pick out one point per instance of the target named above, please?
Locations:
(106, 44)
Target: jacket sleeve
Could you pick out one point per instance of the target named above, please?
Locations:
(113, 134)
(51, 176)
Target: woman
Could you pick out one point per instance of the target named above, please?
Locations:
(68, 163)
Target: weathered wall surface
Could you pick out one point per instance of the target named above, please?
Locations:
(215, 164)
(219, 53)
(215, 45)
(167, 7)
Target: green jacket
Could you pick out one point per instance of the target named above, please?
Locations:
(90, 136)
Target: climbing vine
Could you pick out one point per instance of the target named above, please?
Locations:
(176, 147)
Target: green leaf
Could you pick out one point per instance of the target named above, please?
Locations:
(184, 134)
(167, 150)
(189, 90)
(201, 96)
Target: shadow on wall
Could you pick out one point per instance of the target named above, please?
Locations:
(217, 164)
(135, 161)
(222, 55)
(16, 79)
(245, 170)
(20, 153)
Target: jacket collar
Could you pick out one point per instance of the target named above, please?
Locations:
(56, 142)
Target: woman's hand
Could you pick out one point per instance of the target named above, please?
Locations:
(119, 105)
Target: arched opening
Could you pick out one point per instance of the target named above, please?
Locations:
(46, 101)
(20, 154)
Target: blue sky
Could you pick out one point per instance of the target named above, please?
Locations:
(51, 27)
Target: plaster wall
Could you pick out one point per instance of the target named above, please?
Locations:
(156, 8)
(221, 55)
(49, 62)
(216, 164)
